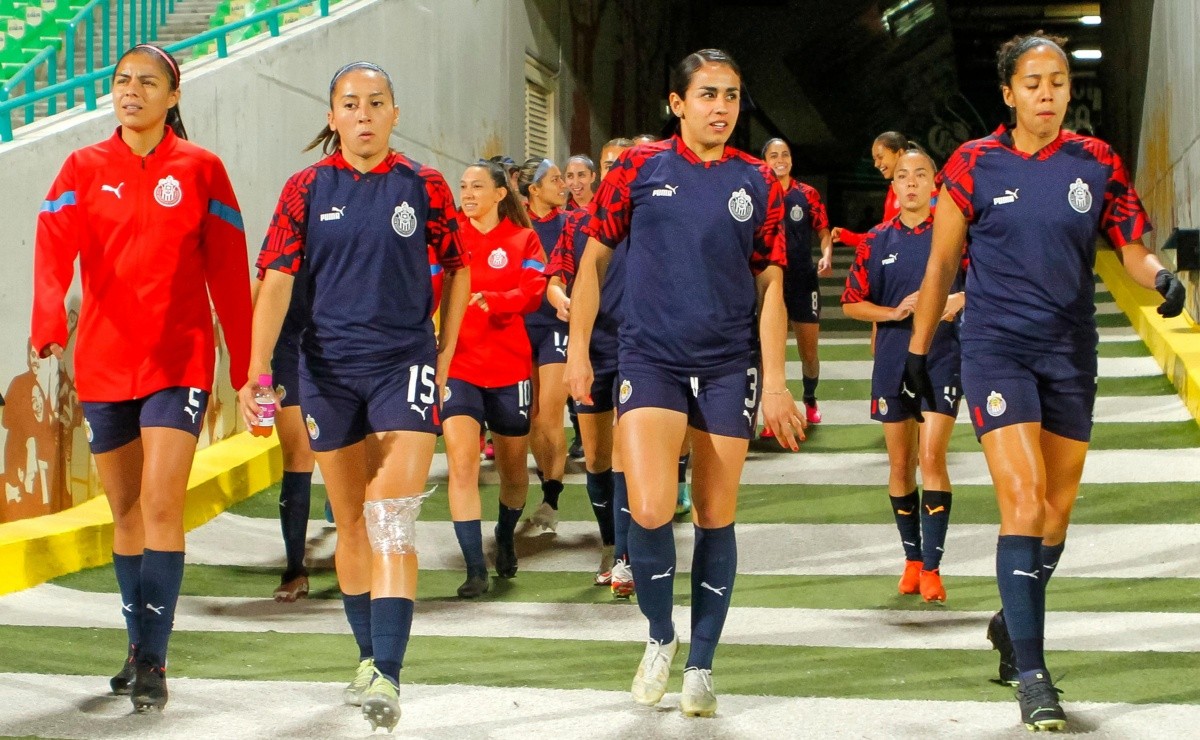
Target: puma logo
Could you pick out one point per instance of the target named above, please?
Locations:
(419, 409)
(599, 505)
(524, 413)
(906, 542)
(938, 510)
(334, 214)
(1033, 575)
(718, 591)
(902, 512)
(191, 412)
(114, 190)
(665, 191)
(663, 575)
(156, 609)
(127, 607)
(749, 417)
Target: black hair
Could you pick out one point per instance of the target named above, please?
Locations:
(171, 66)
(585, 159)
(527, 174)
(771, 141)
(328, 139)
(681, 74)
(1011, 51)
(511, 207)
(915, 148)
(894, 141)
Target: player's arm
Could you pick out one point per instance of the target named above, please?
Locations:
(945, 260)
(223, 243)
(585, 307)
(56, 245)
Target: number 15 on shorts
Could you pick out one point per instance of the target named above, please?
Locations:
(421, 378)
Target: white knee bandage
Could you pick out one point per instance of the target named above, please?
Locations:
(392, 523)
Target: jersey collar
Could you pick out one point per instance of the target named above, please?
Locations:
(691, 158)
(920, 228)
(1003, 134)
(553, 214)
(169, 140)
(391, 160)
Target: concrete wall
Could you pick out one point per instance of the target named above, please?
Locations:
(1168, 162)
(458, 66)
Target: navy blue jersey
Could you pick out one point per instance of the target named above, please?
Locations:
(805, 216)
(1032, 227)
(888, 266)
(566, 256)
(548, 228)
(365, 239)
(698, 234)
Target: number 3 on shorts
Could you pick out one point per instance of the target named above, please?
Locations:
(426, 375)
(751, 387)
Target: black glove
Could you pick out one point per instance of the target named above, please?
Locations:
(916, 386)
(1173, 294)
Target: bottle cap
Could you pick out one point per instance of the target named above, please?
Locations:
(264, 381)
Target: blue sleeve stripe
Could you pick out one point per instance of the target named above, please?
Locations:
(533, 264)
(435, 269)
(59, 203)
(226, 213)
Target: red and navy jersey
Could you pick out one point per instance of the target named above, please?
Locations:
(698, 234)
(366, 240)
(548, 228)
(563, 261)
(888, 266)
(805, 216)
(507, 267)
(1032, 221)
(151, 233)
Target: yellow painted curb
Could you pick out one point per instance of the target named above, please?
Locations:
(33, 551)
(1174, 343)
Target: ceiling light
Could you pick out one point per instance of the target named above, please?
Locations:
(1087, 54)
(1090, 20)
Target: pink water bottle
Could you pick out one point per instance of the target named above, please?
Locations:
(266, 408)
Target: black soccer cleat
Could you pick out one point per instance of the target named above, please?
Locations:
(149, 686)
(997, 633)
(121, 682)
(474, 587)
(506, 557)
(1040, 709)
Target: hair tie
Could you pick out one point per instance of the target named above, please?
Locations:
(541, 170)
(171, 65)
(358, 65)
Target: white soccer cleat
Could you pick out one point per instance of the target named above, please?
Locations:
(604, 572)
(622, 580)
(698, 699)
(545, 518)
(654, 671)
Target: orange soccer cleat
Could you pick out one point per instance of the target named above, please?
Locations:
(931, 586)
(910, 582)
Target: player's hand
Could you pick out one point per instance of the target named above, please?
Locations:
(784, 419)
(1172, 291)
(477, 299)
(824, 267)
(916, 386)
(55, 349)
(563, 310)
(441, 375)
(578, 376)
(249, 407)
(836, 234)
(954, 304)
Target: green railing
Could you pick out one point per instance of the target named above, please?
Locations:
(136, 22)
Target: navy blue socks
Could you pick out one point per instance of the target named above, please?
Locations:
(551, 490)
(294, 495)
(1022, 596)
(391, 623)
(621, 517)
(714, 566)
(810, 388)
(162, 575)
(935, 519)
(470, 541)
(600, 493)
(653, 554)
(129, 580)
(1051, 554)
(506, 523)
(908, 521)
(358, 614)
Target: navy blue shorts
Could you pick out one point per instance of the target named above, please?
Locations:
(1005, 387)
(549, 344)
(285, 371)
(113, 424)
(504, 409)
(724, 404)
(604, 393)
(947, 390)
(802, 296)
(342, 410)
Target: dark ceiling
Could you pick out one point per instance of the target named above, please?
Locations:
(830, 75)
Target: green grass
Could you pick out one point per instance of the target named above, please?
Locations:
(837, 352)
(967, 593)
(802, 503)
(860, 390)
(948, 675)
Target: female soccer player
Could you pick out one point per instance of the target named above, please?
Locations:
(545, 192)
(706, 246)
(596, 419)
(156, 227)
(490, 373)
(362, 220)
(1030, 200)
(882, 288)
(885, 150)
(580, 177)
(801, 287)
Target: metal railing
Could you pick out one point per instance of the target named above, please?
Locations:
(133, 25)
